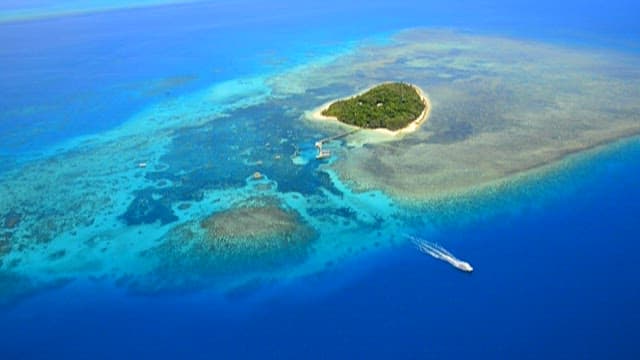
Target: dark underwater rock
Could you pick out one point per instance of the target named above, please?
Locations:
(5, 246)
(184, 206)
(57, 255)
(15, 288)
(144, 209)
(12, 219)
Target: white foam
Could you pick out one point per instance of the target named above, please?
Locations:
(440, 253)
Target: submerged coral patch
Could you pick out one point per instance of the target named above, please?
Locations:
(15, 287)
(5, 244)
(12, 219)
(257, 235)
(144, 209)
(254, 225)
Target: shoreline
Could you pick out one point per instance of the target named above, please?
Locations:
(378, 134)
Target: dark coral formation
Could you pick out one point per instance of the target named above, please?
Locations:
(15, 287)
(184, 206)
(144, 209)
(246, 144)
(57, 255)
(12, 219)
(5, 248)
(5, 245)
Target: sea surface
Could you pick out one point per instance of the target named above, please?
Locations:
(126, 127)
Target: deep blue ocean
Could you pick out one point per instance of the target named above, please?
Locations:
(557, 279)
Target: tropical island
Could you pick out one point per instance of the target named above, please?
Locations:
(389, 106)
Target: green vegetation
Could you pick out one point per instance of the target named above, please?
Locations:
(392, 106)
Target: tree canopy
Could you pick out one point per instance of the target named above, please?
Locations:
(391, 106)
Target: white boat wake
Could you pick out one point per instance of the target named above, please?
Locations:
(440, 253)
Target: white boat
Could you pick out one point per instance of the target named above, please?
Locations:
(440, 253)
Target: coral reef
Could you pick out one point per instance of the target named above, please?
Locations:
(254, 236)
(12, 219)
(500, 107)
(144, 209)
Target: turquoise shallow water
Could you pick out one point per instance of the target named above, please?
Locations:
(105, 257)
